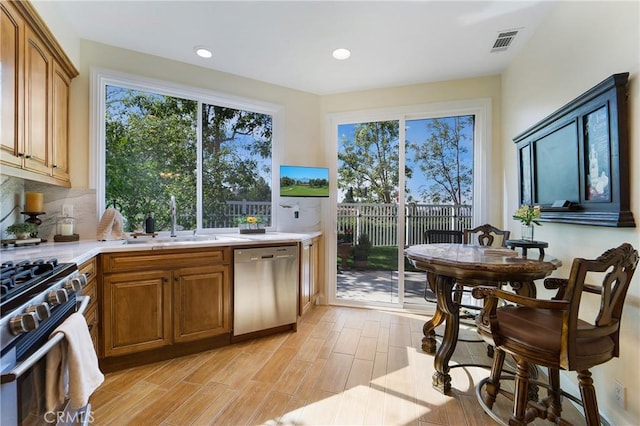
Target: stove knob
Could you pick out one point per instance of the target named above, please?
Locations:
(23, 323)
(82, 279)
(73, 285)
(57, 297)
(41, 310)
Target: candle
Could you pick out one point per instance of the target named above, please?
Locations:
(66, 229)
(34, 202)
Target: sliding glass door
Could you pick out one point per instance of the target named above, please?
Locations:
(438, 185)
(398, 175)
(367, 209)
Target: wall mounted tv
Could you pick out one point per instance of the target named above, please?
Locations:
(302, 181)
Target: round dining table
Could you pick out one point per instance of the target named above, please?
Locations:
(469, 265)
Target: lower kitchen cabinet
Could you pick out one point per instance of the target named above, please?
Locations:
(309, 273)
(89, 269)
(200, 302)
(137, 312)
(151, 301)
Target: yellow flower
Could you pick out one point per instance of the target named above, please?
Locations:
(528, 214)
(249, 220)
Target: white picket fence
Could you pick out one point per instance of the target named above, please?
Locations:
(379, 221)
(236, 209)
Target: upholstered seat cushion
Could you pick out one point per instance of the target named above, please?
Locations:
(541, 329)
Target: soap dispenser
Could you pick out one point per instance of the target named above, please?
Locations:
(150, 224)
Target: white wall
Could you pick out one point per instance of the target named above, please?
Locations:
(577, 46)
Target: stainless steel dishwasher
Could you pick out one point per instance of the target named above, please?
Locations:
(265, 288)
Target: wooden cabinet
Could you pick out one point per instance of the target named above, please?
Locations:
(153, 300)
(200, 302)
(37, 119)
(137, 312)
(91, 289)
(60, 128)
(309, 273)
(35, 82)
(11, 78)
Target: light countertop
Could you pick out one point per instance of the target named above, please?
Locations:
(83, 250)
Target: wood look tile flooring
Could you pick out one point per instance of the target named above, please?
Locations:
(344, 366)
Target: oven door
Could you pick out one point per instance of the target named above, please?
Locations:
(23, 389)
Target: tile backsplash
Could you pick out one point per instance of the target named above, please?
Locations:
(83, 201)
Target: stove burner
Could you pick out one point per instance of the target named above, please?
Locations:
(22, 279)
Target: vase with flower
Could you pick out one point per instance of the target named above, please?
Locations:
(251, 225)
(528, 216)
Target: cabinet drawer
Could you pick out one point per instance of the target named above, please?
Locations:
(152, 260)
(91, 315)
(91, 290)
(89, 269)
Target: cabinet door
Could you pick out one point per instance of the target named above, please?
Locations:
(136, 312)
(11, 64)
(38, 68)
(60, 126)
(201, 302)
(314, 268)
(305, 277)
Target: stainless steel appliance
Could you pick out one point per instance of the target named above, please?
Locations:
(36, 296)
(265, 288)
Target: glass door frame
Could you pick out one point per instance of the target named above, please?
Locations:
(482, 156)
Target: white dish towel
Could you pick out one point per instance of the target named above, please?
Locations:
(111, 226)
(72, 365)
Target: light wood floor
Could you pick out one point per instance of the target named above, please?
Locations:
(344, 366)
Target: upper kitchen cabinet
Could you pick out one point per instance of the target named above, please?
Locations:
(36, 76)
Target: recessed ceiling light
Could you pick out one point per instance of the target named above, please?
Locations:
(203, 52)
(341, 54)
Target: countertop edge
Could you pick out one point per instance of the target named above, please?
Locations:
(81, 251)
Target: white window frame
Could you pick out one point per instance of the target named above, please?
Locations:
(482, 158)
(100, 78)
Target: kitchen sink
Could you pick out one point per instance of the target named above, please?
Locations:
(184, 239)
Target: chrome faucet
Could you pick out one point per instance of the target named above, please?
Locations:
(172, 209)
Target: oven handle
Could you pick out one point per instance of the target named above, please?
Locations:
(35, 357)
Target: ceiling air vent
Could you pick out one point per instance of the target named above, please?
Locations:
(504, 40)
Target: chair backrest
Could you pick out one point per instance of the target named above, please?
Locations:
(432, 236)
(486, 235)
(616, 268)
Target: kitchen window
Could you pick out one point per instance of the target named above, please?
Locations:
(214, 153)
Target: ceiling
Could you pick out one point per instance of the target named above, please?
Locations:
(289, 44)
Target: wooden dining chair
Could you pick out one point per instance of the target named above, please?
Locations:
(433, 236)
(486, 235)
(483, 235)
(549, 333)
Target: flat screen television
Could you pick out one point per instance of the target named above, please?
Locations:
(302, 181)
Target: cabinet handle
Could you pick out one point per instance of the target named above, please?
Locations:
(55, 166)
(27, 156)
(21, 154)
